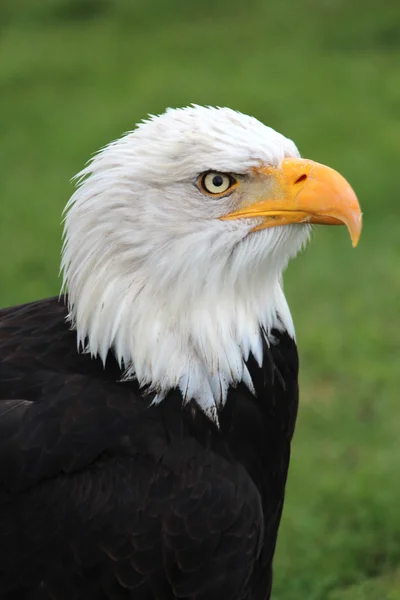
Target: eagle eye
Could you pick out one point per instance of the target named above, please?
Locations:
(216, 183)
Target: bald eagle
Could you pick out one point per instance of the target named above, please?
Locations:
(146, 416)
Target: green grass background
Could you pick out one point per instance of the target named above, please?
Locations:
(76, 74)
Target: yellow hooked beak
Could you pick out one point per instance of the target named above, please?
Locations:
(303, 191)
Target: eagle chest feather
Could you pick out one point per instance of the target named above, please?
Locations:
(135, 501)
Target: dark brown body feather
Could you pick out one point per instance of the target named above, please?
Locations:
(103, 497)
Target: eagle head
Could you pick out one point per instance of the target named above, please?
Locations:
(175, 242)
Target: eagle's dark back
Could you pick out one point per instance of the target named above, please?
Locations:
(103, 496)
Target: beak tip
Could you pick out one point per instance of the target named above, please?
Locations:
(355, 229)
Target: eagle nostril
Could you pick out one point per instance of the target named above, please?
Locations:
(301, 178)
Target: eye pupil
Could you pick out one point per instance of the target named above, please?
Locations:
(218, 180)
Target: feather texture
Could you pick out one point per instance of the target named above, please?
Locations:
(104, 496)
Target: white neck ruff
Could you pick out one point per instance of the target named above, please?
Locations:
(178, 329)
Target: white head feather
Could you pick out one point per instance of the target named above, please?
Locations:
(155, 276)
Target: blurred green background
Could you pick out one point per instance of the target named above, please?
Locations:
(75, 74)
